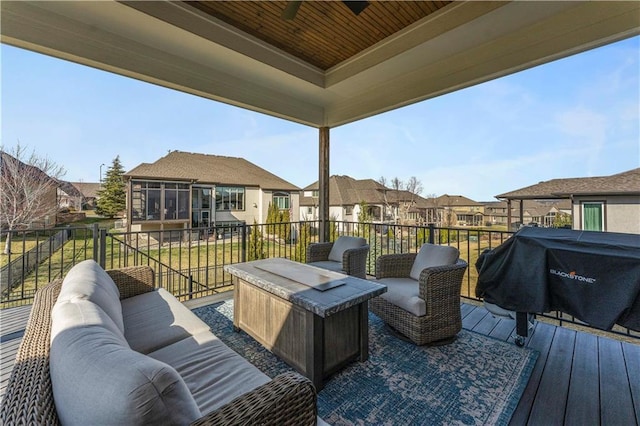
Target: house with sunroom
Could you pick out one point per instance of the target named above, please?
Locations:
(189, 190)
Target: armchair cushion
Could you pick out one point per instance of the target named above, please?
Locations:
(404, 293)
(344, 243)
(433, 255)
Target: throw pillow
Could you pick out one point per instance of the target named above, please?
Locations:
(433, 255)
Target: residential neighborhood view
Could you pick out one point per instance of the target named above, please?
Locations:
(320, 212)
(192, 190)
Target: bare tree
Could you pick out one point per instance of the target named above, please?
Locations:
(28, 189)
(408, 194)
(414, 186)
(432, 212)
(387, 205)
(403, 196)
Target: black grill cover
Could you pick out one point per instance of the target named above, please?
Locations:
(594, 276)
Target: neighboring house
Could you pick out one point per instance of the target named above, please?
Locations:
(69, 197)
(183, 190)
(603, 203)
(89, 191)
(42, 212)
(457, 210)
(346, 195)
(542, 213)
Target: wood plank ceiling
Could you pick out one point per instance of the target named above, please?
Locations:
(323, 33)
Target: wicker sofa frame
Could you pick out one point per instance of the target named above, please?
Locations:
(288, 399)
(354, 261)
(439, 287)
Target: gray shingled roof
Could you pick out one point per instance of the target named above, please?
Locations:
(347, 191)
(625, 183)
(213, 169)
(456, 201)
(69, 188)
(88, 189)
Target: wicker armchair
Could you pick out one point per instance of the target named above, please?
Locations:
(347, 255)
(427, 310)
(287, 399)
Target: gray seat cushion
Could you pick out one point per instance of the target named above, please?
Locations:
(342, 244)
(213, 372)
(88, 281)
(156, 319)
(405, 294)
(433, 255)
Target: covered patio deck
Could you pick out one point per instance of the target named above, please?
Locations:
(579, 378)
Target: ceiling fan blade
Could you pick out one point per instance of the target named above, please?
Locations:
(356, 6)
(291, 10)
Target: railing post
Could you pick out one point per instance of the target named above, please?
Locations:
(432, 231)
(103, 248)
(95, 241)
(190, 286)
(244, 242)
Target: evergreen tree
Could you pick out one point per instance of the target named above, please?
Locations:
(333, 228)
(364, 220)
(256, 243)
(272, 218)
(112, 197)
(304, 238)
(278, 222)
(285, 228)
(423, 236)
(561, 220)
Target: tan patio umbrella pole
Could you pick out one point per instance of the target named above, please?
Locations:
(323, 183)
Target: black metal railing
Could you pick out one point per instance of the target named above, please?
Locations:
(190, 262)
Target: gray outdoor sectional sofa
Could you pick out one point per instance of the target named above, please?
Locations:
(112, 349)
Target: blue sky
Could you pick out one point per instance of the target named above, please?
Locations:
(576, 117)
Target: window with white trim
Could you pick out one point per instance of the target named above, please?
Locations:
(593, 216)
(229, 198)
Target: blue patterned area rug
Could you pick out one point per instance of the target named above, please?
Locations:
(476, 380)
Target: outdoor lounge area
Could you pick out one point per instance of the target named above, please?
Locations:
(578, 378)
(562, 376)
(248, 55)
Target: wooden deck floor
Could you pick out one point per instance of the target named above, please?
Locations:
(579, 378)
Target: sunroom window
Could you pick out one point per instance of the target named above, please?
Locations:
(159, 200)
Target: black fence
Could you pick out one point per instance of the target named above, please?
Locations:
(190, 262)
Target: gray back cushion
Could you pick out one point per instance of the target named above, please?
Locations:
(88, 281)
(97, 379)
(433, 255)
(344, 243)
(81, 313)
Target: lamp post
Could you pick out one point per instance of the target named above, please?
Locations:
(101, 173)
